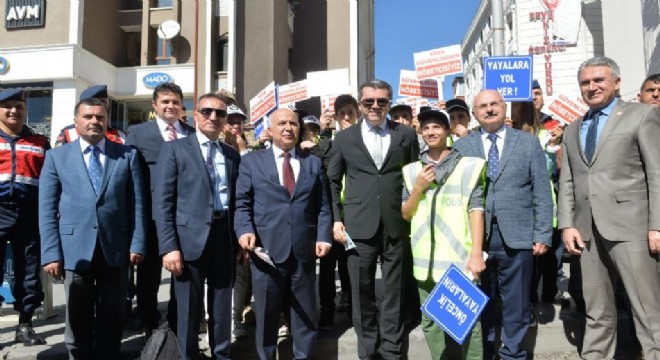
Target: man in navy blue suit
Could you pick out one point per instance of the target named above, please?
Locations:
(92, 225)
(518, 219)
(193, 205)
(282, 207)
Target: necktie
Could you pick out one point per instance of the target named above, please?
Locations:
(171, 132)
(493, 157)
(210, 164)
(287, 173)
(592, 136)
(94, 169)
(377, 154)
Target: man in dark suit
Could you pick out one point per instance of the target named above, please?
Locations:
(518, 219)
(92, 224)
(282, 206)
(148, 138)
(608, 208)
(369, 158)
(193, 206)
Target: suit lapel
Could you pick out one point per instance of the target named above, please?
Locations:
(477, 144)
(395, 139)
(510, 139)
(303, 173)
(198, 159)
(612, 122)
(577, 124)
(359, 141)
(78, 162)
(155, 133)
(111, 154)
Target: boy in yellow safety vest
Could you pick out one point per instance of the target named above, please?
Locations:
(443, 198)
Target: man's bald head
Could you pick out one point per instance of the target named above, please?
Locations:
(284, 128)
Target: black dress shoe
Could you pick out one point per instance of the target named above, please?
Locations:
(26, 335)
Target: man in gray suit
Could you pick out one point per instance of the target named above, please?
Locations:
(91, 219)
(607, 197)
(518, 219)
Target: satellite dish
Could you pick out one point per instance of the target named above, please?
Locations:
(168, 29)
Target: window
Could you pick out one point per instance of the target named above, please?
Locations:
(39, 105)
(223, 52)
(133, 43)
(163, 51)
(163, 3)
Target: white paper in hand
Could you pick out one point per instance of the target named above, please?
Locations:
(349, 242)
(263, 255)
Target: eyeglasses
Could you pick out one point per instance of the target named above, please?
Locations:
(370, 102)
(219, 113)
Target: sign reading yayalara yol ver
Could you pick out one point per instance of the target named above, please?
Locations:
(455, 304)
(511, 76)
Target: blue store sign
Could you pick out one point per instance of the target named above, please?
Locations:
(154, 79)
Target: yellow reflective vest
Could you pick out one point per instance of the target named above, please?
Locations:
(440, 229)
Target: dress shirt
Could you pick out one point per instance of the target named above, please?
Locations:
(369, 137)
(602, 120)
(162, 126)
(220, 194)
(501, 132)
(279, 160)
(88, 154)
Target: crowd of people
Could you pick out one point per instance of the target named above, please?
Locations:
(240, 225)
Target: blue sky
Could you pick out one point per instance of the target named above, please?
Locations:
(406, 27)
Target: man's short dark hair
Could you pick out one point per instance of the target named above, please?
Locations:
(211, 96)
(167, 88)
(376, 84)
(654, 78)
(343, 100)
(89, 102)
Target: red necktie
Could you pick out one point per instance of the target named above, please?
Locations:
(287, 173)
(171, 135)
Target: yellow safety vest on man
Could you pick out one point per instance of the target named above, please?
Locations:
(440, 229)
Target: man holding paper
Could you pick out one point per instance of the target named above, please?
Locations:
(370, 156)
(443, 199)
(282, 207)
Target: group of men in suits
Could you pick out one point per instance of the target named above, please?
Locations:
(189, 200)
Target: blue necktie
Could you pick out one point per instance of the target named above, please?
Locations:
(493, 157)
(592, 136)
(210, 164)
(94, 169)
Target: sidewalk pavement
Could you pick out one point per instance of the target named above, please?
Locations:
(556, 337)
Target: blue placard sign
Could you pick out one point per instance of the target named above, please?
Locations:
(511, 76)
(455, 304)
(154, 79)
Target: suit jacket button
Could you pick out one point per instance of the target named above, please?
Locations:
(208, 223)
(94, 226)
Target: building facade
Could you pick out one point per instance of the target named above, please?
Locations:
(56, 49)
(561, 35)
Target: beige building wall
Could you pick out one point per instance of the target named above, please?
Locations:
(55, 30)
(101, 35)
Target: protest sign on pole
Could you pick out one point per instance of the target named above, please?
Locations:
(566, 109)
(264, 102)
(410, 85)
(511, 76)
(434, 63)
(455, 304)
(329, 82)
(292, 93)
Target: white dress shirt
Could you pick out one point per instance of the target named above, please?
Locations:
(220, 195)
(279, 160)
(162, 126)
(369, 137)
(88, 154)
(501, 132)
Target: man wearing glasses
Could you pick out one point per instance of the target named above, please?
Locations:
(193, 205)
(370, 157)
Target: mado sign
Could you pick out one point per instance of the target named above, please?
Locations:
(511, 76)
(455, 304)
(154, 79)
